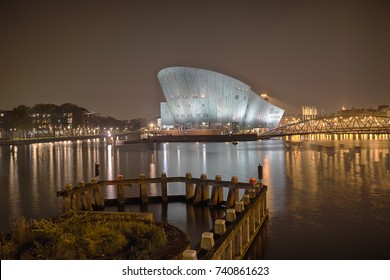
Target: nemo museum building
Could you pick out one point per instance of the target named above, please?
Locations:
(198, 99)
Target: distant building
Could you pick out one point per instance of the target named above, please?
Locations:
(2, 116)
(382, 111)
(203, 99)
(41, 121)
(4, 123)
(290, 119)
(309, 113)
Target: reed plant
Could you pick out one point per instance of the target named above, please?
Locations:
(80, 236)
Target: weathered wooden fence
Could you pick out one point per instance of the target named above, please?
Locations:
(231, 236)
(89, 196)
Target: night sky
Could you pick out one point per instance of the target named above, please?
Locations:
(105, 55)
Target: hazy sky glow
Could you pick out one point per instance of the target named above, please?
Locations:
(105, 55)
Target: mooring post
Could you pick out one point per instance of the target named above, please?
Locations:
(217, 192)
(164, 187)
(230, 214)
(219, 226)
(205, 188)
(246, 199)
(142, 189)
(201, 190)
(239, 206)
(120, 193)
(207, 241)
(252, 193)
(189, 254)
(232, 194)
(260, 172)
(189, 187)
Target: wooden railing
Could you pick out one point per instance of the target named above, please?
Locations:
(89, 196)
(231, 236)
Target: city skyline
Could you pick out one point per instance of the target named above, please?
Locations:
(104, 55)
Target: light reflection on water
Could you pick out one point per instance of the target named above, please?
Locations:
(326, 199)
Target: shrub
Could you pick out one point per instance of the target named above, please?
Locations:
(82, 236)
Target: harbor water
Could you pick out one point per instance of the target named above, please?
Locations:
(326, 199)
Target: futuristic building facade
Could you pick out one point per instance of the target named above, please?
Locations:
(201, 98)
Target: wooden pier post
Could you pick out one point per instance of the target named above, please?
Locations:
(143, 189)
(202, 192)
(189, 187)
(239, 206)
(164, 188)
(85, 198)
(260, 172)
(232, 194)
(97, 199)
(67, 200)
(219, 226)
(246, 199)
(189, 255)
(120, 193)
(205, 188)
(207, 241)
(76, 200)
(230, 215)
(217, 193)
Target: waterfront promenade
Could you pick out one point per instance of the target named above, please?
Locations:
(26, 141)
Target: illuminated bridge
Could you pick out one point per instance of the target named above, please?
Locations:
(338, 127)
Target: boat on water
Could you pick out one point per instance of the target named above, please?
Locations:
(234, 142)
